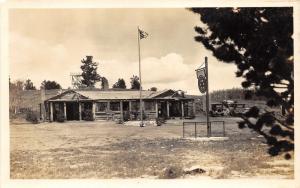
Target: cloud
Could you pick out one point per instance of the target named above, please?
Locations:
(155, 71)
(170, 72)
(167, 69)
(35, 59)
(61, 38)
(38, 60)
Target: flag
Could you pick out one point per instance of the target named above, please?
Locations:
(201, 75)
(143, 34)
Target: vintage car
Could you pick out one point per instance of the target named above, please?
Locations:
(227, 108)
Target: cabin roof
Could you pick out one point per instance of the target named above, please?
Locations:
(75, 95)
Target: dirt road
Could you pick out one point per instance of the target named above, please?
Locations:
(107, 150)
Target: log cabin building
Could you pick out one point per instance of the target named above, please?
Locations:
(118, 104)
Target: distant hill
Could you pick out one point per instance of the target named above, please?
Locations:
(228, 94)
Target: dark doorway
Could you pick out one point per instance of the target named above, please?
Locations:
(175, 109)
(125, 106)
(126, 113)
(72, 110)
(58, 110)
(162, 109)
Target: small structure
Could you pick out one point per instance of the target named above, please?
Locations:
(121, 104)
(76, 80)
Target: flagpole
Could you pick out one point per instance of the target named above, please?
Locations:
(140, 76)
(207, 99)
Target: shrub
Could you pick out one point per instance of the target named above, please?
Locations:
(172, 172)
(88, 115)
(126, 116)
(144, 115)
(160, 121)
(32, 117)
(119, 121)
(60, 117)
(136, 115)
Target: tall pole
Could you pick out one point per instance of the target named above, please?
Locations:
(140, 75)
(207, 98)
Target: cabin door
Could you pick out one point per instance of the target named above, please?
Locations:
(126, 113)
(72, 111)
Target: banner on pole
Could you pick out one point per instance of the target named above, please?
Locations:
(201, 75)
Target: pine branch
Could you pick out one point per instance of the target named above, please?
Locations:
(282, 123)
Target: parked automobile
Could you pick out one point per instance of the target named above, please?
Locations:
(227, 108)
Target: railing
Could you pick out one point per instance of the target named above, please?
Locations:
(195, 128)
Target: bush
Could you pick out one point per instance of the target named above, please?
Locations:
(136, 115)
(160, 121)
(172, 172)
(60, 117)
(144, 115)
(119, 121)
(88, 115)
(126, 116)
(32, 117)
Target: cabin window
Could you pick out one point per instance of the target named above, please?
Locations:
(115, 106)
(149, 106)
(101, 106)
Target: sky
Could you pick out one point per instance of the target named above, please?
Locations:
(49, 44)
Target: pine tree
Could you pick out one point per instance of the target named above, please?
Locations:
(259, 41)
(120, 84)
(104, 83)
(29, 85)
(89, 72)
(135, 82)
(47, 85)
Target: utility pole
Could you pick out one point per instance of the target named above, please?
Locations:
(207, 99)
(140, 76)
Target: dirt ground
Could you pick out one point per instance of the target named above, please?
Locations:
(105, 149)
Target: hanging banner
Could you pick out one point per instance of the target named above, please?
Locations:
(201, 75)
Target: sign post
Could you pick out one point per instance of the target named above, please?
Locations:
(207, 100)
(202, 76)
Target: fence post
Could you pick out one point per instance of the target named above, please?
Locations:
(207, 129)
(182, 129)
(210, 129)
(224, 128)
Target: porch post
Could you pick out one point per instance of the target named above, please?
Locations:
(94, 110)
(182, 110)
(79, 111)
(41, 114)
(65, 110)
(121, 110)
(51, 111)
(194, 108)
(130, 110)
(130, 106)
(156, 109)
(168, 110)
(108, 106)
